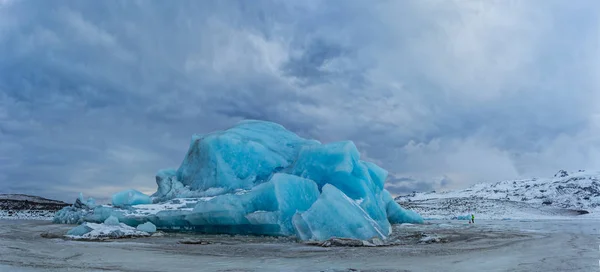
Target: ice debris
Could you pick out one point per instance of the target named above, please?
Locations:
(259, 178)
(76, 213)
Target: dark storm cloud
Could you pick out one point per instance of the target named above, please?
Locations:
(96, 96)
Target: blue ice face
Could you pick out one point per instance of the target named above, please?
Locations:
(398, 215)
(240, 157)
(259, 178)
(339, 165)
(266, 209)
(335, 214)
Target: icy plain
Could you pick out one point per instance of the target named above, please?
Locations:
(441, 245)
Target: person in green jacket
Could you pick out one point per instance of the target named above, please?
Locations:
(473, 218)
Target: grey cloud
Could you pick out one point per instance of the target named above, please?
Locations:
(96, 96)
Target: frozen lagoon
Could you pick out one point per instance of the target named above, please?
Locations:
(509, 245)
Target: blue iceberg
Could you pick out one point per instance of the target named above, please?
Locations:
(259, 178)
(129, 198)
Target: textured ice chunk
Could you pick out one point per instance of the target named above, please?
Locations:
(240, 157)
(79, 230)
(147, 227)
(336, 215)
(168, 185)
(130, 197)
(111, 221)
(75, 213)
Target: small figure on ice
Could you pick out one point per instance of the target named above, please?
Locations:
(472, 219)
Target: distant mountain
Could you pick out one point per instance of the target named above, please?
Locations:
(565, 194)
(19, 206)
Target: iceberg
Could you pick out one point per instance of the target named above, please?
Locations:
(259, 178)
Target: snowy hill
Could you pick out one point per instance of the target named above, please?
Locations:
(565, 194)
(19, 206)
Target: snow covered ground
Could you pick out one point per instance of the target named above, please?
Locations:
(27, 215)
(441, 245)
(561, 197)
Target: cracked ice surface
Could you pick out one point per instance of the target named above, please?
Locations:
(259, 178)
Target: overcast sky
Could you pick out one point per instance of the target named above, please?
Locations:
(96, 96)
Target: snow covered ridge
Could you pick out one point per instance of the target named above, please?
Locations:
(259, 178)
(579, 190)
(30, 198)
(565, 194)
(18, 206)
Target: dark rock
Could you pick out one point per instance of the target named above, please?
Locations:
(80, 205)
(51, 235)
(116, 234)
(12, 202)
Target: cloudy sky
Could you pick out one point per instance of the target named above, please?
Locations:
(96, 96)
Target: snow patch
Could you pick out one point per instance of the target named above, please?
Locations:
(103, 232)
